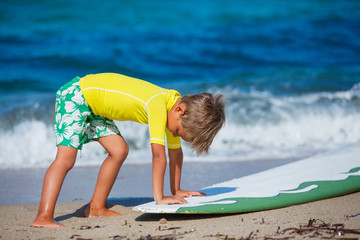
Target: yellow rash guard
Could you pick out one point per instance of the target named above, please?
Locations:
(123, 98)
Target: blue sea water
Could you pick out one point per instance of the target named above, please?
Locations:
(290, 70)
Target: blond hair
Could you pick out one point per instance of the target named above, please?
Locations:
(204, 117)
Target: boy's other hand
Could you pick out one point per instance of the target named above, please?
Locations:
(184, 193)
(172, 200)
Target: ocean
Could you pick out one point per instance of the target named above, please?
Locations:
(290, 71)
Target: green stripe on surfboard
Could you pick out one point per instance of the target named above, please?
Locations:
(324, 189)
(326, 175)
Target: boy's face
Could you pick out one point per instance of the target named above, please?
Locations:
(173, 121)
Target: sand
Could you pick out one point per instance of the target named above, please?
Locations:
(332, 218)
(23, 186)
(20, 194)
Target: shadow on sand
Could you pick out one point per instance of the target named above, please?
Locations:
(126, 202)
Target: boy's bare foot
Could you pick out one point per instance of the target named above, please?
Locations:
(42, 222)
(99, 212)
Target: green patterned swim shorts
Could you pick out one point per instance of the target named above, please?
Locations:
(75, 124)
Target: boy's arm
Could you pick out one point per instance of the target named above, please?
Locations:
(158, 172)
(176, 161)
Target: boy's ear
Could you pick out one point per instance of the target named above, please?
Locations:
(181, 109)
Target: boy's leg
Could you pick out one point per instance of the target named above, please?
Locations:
(54, 178)
(118, 149)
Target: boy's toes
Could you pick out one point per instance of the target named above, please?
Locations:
(90, 212)
(46, 224)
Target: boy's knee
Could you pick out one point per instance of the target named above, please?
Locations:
(66, 164)
(120, 154)
(70, 164)
(65, 157)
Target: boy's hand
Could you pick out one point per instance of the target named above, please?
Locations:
(172, 200)
(183, 193)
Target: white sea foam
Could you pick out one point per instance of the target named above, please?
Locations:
(32, 144)
(29, 144)
(259, 126)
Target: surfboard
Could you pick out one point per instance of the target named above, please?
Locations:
(326, 175)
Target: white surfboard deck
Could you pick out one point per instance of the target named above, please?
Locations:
(326, 175)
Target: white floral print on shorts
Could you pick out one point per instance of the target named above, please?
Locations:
(75, 124)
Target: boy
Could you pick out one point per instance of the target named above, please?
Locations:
(83, 111)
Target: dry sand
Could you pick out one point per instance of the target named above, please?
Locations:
(335, 218)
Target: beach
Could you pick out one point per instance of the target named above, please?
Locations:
(289, 71)
(20, 197)
(334, 218)
(23, 186)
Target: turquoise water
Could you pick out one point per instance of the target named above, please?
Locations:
(289, 69)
